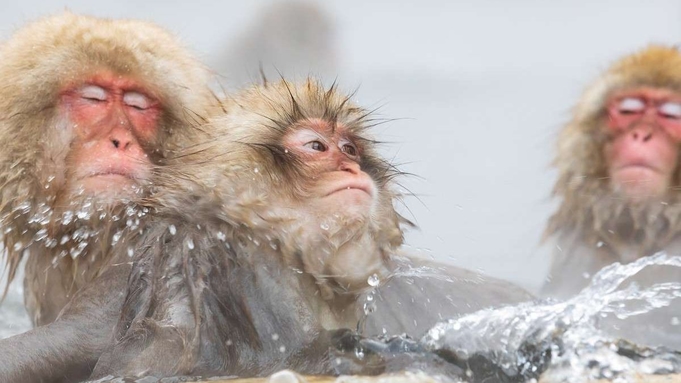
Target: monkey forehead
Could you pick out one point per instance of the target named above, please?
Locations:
(646, 93)
(284, 103)
(42, 55)
(656, 66)
(324, 127)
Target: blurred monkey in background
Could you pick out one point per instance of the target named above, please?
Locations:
(619, 178)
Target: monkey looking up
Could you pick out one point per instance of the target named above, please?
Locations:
(619, 175)
(320, 186)
(249, 264)
(88, 108)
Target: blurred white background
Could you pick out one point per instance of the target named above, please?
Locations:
(480, 88)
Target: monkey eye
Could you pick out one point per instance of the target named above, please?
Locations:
(631, 105)
(136, 100)
(316, 146)
(349, 149)
(93, 93)
(671, 110)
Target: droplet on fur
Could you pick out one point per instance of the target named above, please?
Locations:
(324, 226)
(190, 244)
(373, 280)
(172, 229)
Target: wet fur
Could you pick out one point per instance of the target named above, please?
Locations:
(37, 61)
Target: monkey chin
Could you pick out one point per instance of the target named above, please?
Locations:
(640, 183)
(350, 203)
(108, 188)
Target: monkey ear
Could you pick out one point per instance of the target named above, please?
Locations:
(262, 74)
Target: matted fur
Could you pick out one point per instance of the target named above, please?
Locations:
(246, 165)
(38, 61)
(589, 206)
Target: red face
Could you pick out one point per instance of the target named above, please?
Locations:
(113, 120)
(333, 155)
(645, 129)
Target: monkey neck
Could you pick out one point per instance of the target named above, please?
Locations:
(68, 251)
(630, 229)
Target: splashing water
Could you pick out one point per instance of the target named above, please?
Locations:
(565, 337)
(561, 341)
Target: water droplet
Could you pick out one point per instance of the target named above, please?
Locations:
(190, 244)
(675, 321)
(255, 170)
(282, 349)
(172, 229)
(131, 252)
(600, 244)
(67, 218)
(221, 236)
(324, 226)
(373, 280)
(275, 336)
(116, 237)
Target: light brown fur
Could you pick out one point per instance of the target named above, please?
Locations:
(589, 208)
(260, 187)
(39, 60)
(246, 166)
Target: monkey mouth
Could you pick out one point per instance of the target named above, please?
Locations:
(354, 186)
(638, 166)
(111, 174)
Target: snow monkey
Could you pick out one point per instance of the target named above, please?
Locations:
(88, 109)
(619, 174)
(250, 264)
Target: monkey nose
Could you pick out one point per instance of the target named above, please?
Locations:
(120, 141)
(642, 134)
(350, 166)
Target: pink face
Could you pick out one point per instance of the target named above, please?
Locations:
(645, 127)
(113, 120)
(333, 155)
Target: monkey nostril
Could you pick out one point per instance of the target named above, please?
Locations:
(647, 137)
(116, 143)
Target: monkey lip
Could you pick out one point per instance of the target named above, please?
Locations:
(637, 166)
(352, 186)
(111, 173)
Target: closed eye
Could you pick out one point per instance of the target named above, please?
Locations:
(93, 93)
(631, 105)
(671, 110)
(136, 100)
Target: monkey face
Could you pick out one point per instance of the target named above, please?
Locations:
(338, 186)
(644, 126)
(113, 120)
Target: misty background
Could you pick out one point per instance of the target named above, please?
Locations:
(479, 90)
